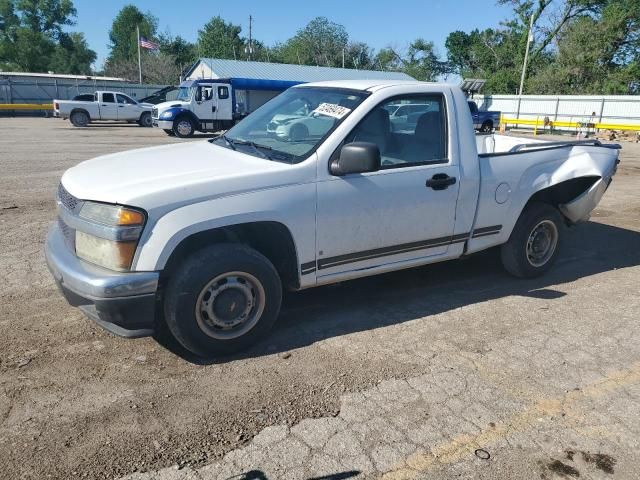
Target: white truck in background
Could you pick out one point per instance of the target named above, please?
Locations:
(204, 236)
(104, 106)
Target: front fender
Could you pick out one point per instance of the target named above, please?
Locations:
(292, 206)
(175, 112)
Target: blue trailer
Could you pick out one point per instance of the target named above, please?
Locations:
(211, 105)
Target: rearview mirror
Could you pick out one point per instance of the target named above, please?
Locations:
(357, 157)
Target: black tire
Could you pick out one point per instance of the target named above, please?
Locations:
(195, 282)
(525, 255)
(79, 118)
(145, 120)
(183, 127)
(487, 127)
(169, 132)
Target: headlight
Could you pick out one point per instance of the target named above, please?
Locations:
(111, 235)
(106, 253)
(166, 115)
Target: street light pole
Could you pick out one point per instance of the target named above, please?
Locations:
(526, 56)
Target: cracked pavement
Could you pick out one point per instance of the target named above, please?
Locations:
(419, 374)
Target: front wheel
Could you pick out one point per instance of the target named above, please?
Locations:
(222, 299)
(145, 120)
(183, 127)
(534, 242)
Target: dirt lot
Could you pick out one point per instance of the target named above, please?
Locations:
(552, 364)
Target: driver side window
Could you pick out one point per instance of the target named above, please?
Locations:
(417, 136)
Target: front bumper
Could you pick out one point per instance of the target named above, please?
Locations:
(122, 303)
(164, 124)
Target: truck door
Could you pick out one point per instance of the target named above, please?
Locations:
(204, 105)
(128, 109)
(404, 211)
(224, 107)
(108, 107)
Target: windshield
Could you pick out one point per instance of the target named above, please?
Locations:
(184, 93)
(290, 126)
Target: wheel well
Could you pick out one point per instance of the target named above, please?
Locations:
(563, 192)
(76, 110)
(271, 239)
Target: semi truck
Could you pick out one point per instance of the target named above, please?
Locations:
(211, 105)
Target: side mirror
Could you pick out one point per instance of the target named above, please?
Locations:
(357, 157)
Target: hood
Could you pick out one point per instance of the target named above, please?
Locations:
(158, 177)
(174, 103)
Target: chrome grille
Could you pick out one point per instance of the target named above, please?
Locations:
(154, 112)
(66, 199)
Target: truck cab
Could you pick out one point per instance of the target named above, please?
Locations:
(211, 105)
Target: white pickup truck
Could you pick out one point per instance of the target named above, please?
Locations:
(104, 106)
(204, 236)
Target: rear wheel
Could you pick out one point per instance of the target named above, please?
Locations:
(183, 127)
(145, 120)
(535, 241)
(79, 119)
(222, 299)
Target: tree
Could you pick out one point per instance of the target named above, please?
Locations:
(184, 53)
(219, 39)
(32, 37)
(422, 61)
(157, 68)
(123, 34)
(320, 42)
(73, 55)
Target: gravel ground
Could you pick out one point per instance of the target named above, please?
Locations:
(403, 375)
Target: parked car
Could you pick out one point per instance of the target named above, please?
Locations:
(404, 117)
(205, 236)
(212, 105)
(104, 106)
(484, 120)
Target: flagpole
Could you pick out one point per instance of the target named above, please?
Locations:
(139, 61)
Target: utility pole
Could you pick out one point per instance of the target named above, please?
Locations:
(343, 57)
(249, 49)
(526, 55)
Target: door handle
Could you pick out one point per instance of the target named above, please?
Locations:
(213, 108)
(120, 106)
(440, 181)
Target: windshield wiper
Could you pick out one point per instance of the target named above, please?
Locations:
(256, 147)
(228, 141)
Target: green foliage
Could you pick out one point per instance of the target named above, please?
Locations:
(184, 53)
(220, 39)
(72, 55)
(579, 46)
(32, 38)
(320, 42)
(123, 35)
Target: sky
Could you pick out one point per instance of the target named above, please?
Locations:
(377, 22)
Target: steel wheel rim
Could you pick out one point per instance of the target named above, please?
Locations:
(184, 127)
(542, 243)
(230, 305)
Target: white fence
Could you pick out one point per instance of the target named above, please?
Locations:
(610, 109)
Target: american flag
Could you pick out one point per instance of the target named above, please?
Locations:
(144, 43)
